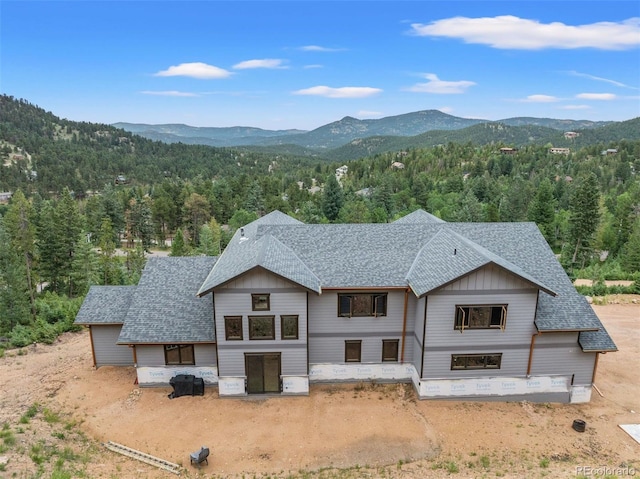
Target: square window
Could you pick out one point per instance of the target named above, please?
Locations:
(352, 351)
(262, 327)
(260, 302)
(233, 328)
(390, 350)
(289, 325)
(179, 354)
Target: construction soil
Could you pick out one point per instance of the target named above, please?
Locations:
(356, 430)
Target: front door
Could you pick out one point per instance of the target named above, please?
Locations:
(263, 373)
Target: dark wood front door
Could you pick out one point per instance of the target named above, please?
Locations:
(263, 373)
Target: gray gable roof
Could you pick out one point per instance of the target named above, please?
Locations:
(419, 216)
(165, 309)
(105, 305)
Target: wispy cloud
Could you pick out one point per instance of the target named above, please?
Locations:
(446, 109)
(308, 67)
(368, 114)
(510, 32)
(169, 93)
(198, 70)
(318, 48)
(540, 99)
(270, 63)
(342, 92)
(596, 96)
(441, 87)
(595, 78)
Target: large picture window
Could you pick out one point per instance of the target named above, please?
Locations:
(289, 326)
(390, 350)
(262, 327)
(352, 351)
(476, 361)
(179, 354)
(233, 328)
(260, 302)
(481, 317)
(365, 304)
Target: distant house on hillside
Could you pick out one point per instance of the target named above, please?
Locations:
(5, 196)
(570, 135)
(508, 151)
(610, 151)
(559, 151)
(460, 310)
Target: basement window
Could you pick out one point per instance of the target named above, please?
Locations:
(476, 361)
(179, 355)
(352, 351)
(390, 350)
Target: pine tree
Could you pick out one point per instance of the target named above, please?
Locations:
(630, 257)
(178, 247)
(14, 294)
(542, 209)
(332, 198)
(84, 268)
(584, 215)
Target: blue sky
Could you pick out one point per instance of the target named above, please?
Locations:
(302, 64)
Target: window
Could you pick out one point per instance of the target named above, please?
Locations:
(389, 350)
(260, 302)
(476, 361)
(481, 317)
(179, 354)
(289, 325)
(362, 305)
(262, 327)
(352, 351)
(233, 328)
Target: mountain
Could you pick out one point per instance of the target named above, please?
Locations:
(338, 133)
(212, 136)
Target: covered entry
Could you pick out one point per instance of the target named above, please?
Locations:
(263, 372)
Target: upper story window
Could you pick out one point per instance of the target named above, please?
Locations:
(233, 328)
(289, 326)
(260, 302)
(362, 304)
(262, 327)
(179, 354)
(481, 317)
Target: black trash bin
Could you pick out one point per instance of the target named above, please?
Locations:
(182, 385)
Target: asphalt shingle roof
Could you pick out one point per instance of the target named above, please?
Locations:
(105, 305)
(418, 216)
(164, 307)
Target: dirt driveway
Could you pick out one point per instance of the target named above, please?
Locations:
(337, 431)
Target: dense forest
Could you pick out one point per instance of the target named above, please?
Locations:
(88, 200)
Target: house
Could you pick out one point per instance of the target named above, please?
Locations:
(570, 135)
(460, 310)
(508, 151)
(559, 151)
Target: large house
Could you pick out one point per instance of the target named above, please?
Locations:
(460, 310)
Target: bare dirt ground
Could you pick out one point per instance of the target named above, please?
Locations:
(55, 410)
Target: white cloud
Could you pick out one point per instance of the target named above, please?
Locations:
(169, 93)
(606, 80)
(446, 109)
(271, 63)
(318, 48)
(596, 96)
(540, 99)
(575, 107)
(510, 32)
(342, 92)
(308, 67)
(441, 87)
(198, 70)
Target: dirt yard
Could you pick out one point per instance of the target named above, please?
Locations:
(55, 410)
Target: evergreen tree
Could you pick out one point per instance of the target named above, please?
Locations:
(178, 246)
(14, 294)
(332, 198)
(542, 209)
(584, 215)
(84, 268)
(630, 257)
(196, 213)
(109, 264)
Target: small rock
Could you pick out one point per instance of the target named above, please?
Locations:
(589, 299)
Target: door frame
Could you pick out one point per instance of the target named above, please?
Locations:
(262, 355)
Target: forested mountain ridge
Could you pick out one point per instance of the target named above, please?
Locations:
(339, 133)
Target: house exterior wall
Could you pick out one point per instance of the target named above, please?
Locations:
(105, 349)
(285, 298)
(152, 370)
(560, 353)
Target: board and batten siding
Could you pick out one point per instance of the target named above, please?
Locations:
(560, 353)
(152, 355)
(417, 332)
(490, 285)
(285, 298)
(107, 351)
(328, 331)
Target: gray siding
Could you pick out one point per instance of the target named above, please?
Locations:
(328, 331)
(418, 329)
(152, 355)
(234, 299)
(560, 353)
(107, 351)
(490, 285)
